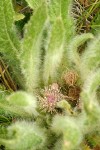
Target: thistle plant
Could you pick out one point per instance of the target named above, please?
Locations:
(56, 106)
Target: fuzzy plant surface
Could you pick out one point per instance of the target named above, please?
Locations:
(57, 103)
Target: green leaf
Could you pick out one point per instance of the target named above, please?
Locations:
(66, 106)
(72, 132)
(34, 3)
(89, 97)
(91, 57)
(24, 135)
(31, 47)
(54, 9)
(62, 9)
(54, 52)
(24, 101)
(19, 16)
(73, 54)
(19, 104)
(9, 43)
(66, 10)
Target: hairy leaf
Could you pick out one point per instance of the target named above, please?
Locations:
(73, 54)
(31, 45)
(9, 43)
(89, 98)
(62, 9)
(91, 57)
(24, 101)
(54, 52)
(24, 135)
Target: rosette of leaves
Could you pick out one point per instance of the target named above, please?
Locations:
(38, 61)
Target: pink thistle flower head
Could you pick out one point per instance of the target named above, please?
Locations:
(51, 95)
